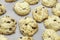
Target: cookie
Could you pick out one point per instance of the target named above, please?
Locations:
(49, 3)
(2, 37)
(10, 0)
(40, 13)
(22, 8)
(25, 38)
(53, 22)
(7, 25)
(28, 26)
(50, 34)
(56, 9)
(2, 9)
(31, 2)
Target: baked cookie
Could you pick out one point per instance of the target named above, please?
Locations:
(49, 3)
(50, 34)
(2, 37)
(7, 25)
(10, 0)
(53, 22)
(28, 26)
(25, 38)
(40, 13)
(56, 9)
(22, 8)
(32, 1)
(2, 9)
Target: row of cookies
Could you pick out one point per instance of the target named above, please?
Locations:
(48, 3)
(29, 2)
(39, 13)
(28, 27)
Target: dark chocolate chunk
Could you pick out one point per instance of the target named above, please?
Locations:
(1, 10)
(26, 24)
(49, 36)
(20, 37)
(8, 21)
(36, 11)
(33, 27)
(12, 20)
(54, 20)
(0, 4)
(10, 28)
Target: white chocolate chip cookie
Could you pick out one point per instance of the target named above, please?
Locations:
(32, 1)
(2, 37)
(10, 0)
(56, 9)
(7, 25)
(22, 8)
(49, 3)
(25, 38)
(40, 13)
(53, 22)
(50, 34)
(2, 9)
(28, 26)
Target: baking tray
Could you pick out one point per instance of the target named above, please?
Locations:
(10, 12)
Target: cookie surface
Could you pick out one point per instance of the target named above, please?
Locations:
(50, 34)
(25, 38)
(40, 13)
(10, 0)
(53, 22)
(32, 1)
(28, 26)
(49, 3)
(7, 25)
(56, 9)
(2, 37)
(22, 8)
(2, 9)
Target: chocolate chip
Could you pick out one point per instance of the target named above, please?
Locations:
(0, 4)
(25, 24)
(12, 20)
(22, 31)
(43, 7)
(54, 20)
(36, 11)
(7, 16)
(49, 36)
(8, 21)
(33, 27)
(36, 2)
(10, 28)
(20, 37)
(59, 16)
(25, 17)
(1, 10)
